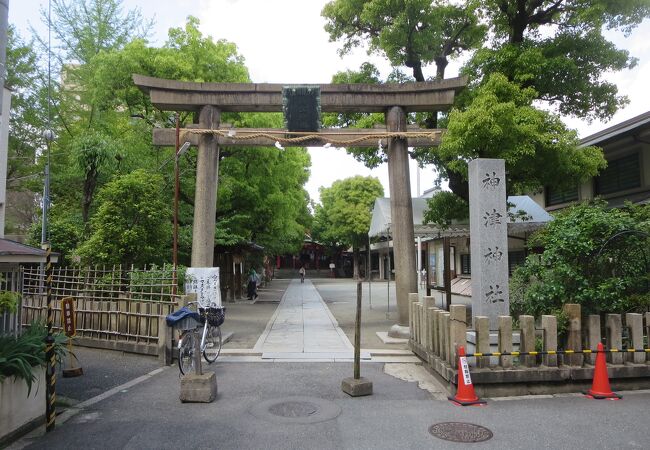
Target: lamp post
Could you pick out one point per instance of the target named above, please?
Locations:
(178, 152)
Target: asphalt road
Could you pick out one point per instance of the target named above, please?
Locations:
(398, 415)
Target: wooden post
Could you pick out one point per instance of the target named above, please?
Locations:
(357, 386)
(357, 336)
(446, 256)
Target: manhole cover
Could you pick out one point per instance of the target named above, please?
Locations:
(296, 409)
(293, 409)
(460, 432)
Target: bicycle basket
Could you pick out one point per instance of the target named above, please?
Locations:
(216, 316)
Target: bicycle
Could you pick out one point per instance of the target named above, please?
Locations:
(208, 322)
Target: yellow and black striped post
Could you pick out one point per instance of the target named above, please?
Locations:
(50, 374)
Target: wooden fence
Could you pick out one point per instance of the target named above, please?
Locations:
(437, 334)
(116, 308)
(10, 323)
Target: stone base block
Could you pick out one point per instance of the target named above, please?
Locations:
(356, 387)
(400, 332)
(386, 339)
(199, 388)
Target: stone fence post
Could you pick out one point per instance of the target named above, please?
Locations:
(614, 337)
(574, 333)
(594, 336)
(634, 323)
(549, 325)
(482, 328)
(505, 340)
(527, 339)
(457, 331)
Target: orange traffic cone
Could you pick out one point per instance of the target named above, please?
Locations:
(465, 395)
(600, 388)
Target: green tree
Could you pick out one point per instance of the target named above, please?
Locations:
(261, 194)
(592, 255)
(501, 122)
(345, 212)
(27, 120)
(131, 225)
(555, 47)
(411, 33)
(558, 48)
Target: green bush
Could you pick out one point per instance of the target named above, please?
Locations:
(593, 256)
(9, 301)
(20, 355)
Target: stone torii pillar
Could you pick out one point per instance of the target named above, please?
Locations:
(205, 197)
(401, 207)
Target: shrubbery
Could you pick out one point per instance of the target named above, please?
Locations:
(19, 355)
(592, 255)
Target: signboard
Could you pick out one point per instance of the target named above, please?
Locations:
(465, 371)
(68, 320)
(204, 282)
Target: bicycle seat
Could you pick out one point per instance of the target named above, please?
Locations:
(183, 313)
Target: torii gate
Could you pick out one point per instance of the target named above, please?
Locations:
(394, 100)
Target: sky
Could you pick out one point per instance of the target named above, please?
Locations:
(283, 41)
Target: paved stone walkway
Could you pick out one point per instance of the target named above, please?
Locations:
(303, 328)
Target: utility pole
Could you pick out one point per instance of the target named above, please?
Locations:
(4, 19)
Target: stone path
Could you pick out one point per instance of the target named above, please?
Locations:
(303, 328)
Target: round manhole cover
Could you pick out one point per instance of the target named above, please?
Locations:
(293, 409)
(460, 432)
(296, 410)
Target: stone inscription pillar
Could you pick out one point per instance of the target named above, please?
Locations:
(205, 198)
(401, 208)
(489, 239)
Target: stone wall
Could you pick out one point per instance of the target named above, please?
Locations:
(437, 334)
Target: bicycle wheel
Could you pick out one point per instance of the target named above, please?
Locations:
(186, 352)
(212, 344)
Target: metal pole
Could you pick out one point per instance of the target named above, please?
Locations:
(50, 374)
(176, 195)
(357, 336)
(388, 292)
(4, 18)
(369, 275)
(419, 263)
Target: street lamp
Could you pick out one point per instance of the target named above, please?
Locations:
(177, 188)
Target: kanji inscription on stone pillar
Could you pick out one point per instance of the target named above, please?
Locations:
(489, 239)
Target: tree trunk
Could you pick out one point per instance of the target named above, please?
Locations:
(458, 185)
(355, 256)
(441, 65)
(90, 183)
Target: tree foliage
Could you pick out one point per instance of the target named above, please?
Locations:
(411, 33)
(131, 225)
(500, 122)
(104, 125)
(592, 255)
(553, 51)
(344, 215)
(558, 48)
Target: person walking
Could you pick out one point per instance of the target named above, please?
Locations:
(251, 287)
(302, 274)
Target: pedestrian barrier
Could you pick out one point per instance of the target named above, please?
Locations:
(512, 354)
(465, 394)
(600, 388)
(560, 352)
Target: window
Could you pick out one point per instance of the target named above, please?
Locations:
(620, 174)
(555, 196)
(465, 265)
(515, 259)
